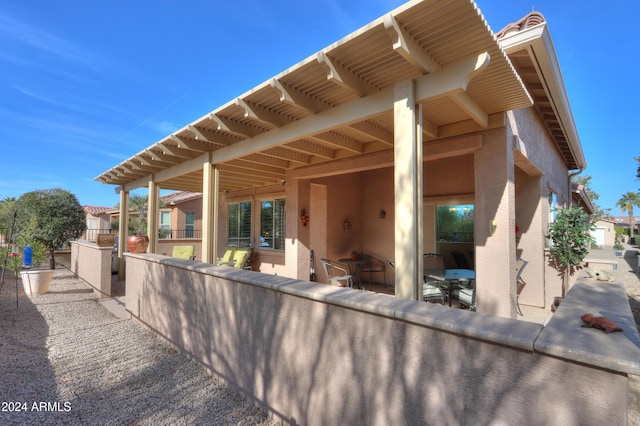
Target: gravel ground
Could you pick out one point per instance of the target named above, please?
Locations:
(64, 359)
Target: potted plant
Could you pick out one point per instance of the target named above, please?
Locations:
(36, 277)
(138, 241)
(570, 240)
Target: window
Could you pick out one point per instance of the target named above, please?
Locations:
(455, 223)
(189, 224)
(240, 224)
(272, 223)
(553, 205)
(165, 224)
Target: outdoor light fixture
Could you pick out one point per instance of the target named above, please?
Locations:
(346, 225)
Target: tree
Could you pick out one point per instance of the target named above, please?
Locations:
(638, 171)
(571, 239)
(51, 217)
(139, 204)
(7, 208)
(626, 203)
(599, 212)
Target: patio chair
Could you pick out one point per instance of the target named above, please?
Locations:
(433, 261)
(373, 265)
(184, 252)
(237, 257)
(336, 273)
(430, 292)
(466, 295)
(461, 260)
(520, 265)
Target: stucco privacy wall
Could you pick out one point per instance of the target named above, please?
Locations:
(315, 354)
(93, 265)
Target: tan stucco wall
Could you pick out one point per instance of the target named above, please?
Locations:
(316, 354)
(93, 265)
(539, 170)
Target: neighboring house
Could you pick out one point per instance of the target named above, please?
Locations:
(421, 132)
(181, 215)
(604, 233)
(623, 222)
(98, 220)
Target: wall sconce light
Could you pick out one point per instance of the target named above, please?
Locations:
(382, 214)
(346, 225)
(304, 217)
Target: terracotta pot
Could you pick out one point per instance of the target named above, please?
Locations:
(137, 243)
(36, 281)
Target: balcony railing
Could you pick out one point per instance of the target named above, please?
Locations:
(163, 234)
(179, 234)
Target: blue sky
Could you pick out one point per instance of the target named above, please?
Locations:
(85, 85)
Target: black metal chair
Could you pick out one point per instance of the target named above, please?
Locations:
(373, 265)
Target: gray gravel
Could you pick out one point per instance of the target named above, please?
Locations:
(65, 359)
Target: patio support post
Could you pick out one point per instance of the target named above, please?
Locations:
(123, 225)
(210, 190)
(408, 181)
(153, 212)
(495, 224)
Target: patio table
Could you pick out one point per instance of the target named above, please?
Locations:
(450, 277)
(354, 268)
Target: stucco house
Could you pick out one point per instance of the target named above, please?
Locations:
(604, 233)
(361, 145)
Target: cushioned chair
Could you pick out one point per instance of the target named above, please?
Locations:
(237, 257)
(337, 273)
(466, 295)
(430, 292)
(432, 289)
(184, 252)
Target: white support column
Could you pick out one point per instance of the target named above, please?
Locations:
(153, 212)
(408, 181)
(122, 231)
(210, 190)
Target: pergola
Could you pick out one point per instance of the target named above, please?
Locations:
(426, 71)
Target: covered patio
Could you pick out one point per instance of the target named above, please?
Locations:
(423, 107)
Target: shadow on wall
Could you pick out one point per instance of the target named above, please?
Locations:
(288, 354)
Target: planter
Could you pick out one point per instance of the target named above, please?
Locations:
(137, 243)
(105, 240)
(36, 281)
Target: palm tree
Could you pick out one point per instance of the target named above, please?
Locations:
(626, 203)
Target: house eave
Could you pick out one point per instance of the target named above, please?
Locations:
(536, 41)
